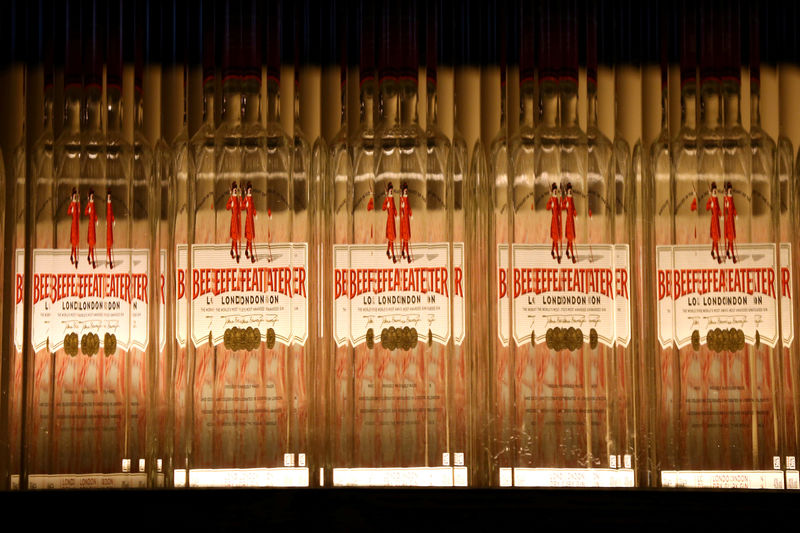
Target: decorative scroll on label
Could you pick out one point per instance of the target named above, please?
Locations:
(231, 300)
(374, 294)
(569, 302)
(504, 303)
(714, 300)
(459, 286)
(787, 314)
(88, 304)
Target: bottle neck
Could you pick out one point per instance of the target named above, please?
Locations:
(48, 109)
(755, 107)
(664, 107)
(93, 114)
(433, 113)
(114, 98)
(208, 104)
(731, 98)
(689, 105)
(548, 104)
(367, 104)
(398, 102)
(569, 103)
(232, 101)
(72, 109)
(251, 102)
(591, 104)
(273, 102)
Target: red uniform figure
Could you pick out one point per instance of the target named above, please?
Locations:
(405, 222)
(75, 232)
(391, 212)
(568, 205)
(249, 223)
(234, 206)
(554, 205)
(712, 204)
(730, 222)
(91, 236)
(110, 222)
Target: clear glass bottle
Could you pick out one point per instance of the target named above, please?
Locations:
(339, 414)
(143, 203)
(412, 359)
(719, 390)
(249, 332)
(303, 212)
(192, 165)
(355, 222)
(449, 165)
(562, 271)
(500, 421)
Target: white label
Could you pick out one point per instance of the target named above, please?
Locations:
(243, 477)
(504, 304)
(182, 290)
(459, 286)
(84, 298)
(725, 479)
(459, 458)
(708, 296)
(622, 294)
(573, 477)
(445, 459)
(665, 318)
(371, 292)
(162, 288)
(549, 294)
(19, 290)
(431, 476)
(787, 315)
(790, 462)
(269, 294)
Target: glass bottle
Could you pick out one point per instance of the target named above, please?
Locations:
(499, 394)
(724, 336)
(192, 165)
(304, 194)
(139, 208)
(561, 358)
(412, 359)
(355, 223)
(449, 165)
(339, 412)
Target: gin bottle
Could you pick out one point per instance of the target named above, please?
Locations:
(562, 275)
(720, 278)
(143, 204)
(499, 392)
(245, 274)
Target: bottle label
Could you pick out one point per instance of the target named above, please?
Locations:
(787, 314)
(622, 292)
(266, 295)
(182, 306)
(576, 293)
(705, 299)
(162, 314)
(459, 287)
(372, 293)
(106, 298)
(504, 303)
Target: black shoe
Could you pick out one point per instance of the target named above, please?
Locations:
(246, 252)
(573, 259)
(552, 254)
(388, 255)
(559, 259)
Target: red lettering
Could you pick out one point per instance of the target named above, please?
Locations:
(458, 274)
(502, 289)
(786, 278)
